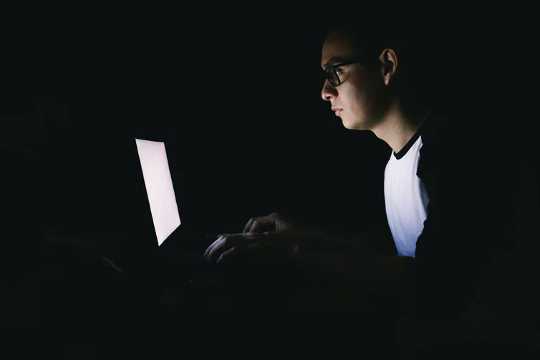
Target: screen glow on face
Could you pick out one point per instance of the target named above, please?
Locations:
(159, 187)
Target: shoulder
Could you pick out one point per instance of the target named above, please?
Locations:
(437, 145)
(449, 144)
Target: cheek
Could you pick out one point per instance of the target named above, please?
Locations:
(355, 102)
(347, 95)
(364, 101)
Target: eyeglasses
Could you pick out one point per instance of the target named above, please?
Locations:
(332, 74)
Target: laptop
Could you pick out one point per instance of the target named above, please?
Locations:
(178, 244)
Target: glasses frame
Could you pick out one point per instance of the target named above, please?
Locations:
(330, 71)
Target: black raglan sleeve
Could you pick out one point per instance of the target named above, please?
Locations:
(463, 227)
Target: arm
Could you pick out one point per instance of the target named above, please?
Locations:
(316, 253)
(464, 227)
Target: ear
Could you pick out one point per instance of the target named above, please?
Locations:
(389, 65)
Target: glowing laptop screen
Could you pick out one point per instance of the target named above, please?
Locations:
(159, 187)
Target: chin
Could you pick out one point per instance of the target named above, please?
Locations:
(353, 125)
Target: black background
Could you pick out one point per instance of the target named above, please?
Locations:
(236, 95)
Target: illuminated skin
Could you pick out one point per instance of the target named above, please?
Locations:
(364, 100)
(355, 100)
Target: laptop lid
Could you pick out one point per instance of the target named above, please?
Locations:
(159, 187)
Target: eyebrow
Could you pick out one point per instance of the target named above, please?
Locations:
(334, 60)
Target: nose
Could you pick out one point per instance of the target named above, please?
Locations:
(328, 92)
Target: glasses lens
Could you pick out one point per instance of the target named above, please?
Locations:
(331, 75)
(334, 79)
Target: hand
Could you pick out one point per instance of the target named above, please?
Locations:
(273, 222)
(231, 246)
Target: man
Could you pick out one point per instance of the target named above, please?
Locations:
(435, 208)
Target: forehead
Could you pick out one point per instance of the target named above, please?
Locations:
(336, 48)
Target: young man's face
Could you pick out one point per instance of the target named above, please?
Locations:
(357, 100)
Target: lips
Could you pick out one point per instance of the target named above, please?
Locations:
(337, 111)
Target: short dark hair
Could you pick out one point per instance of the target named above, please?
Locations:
(365, 43)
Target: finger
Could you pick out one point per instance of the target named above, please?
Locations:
(214, 246)
(262, 224)
(226, 242)
(247, 227)
(211, 246)
(257, 242)
(227, 255)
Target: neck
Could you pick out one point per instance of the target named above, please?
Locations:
(395, 128)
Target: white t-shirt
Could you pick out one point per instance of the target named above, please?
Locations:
(405, 197)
